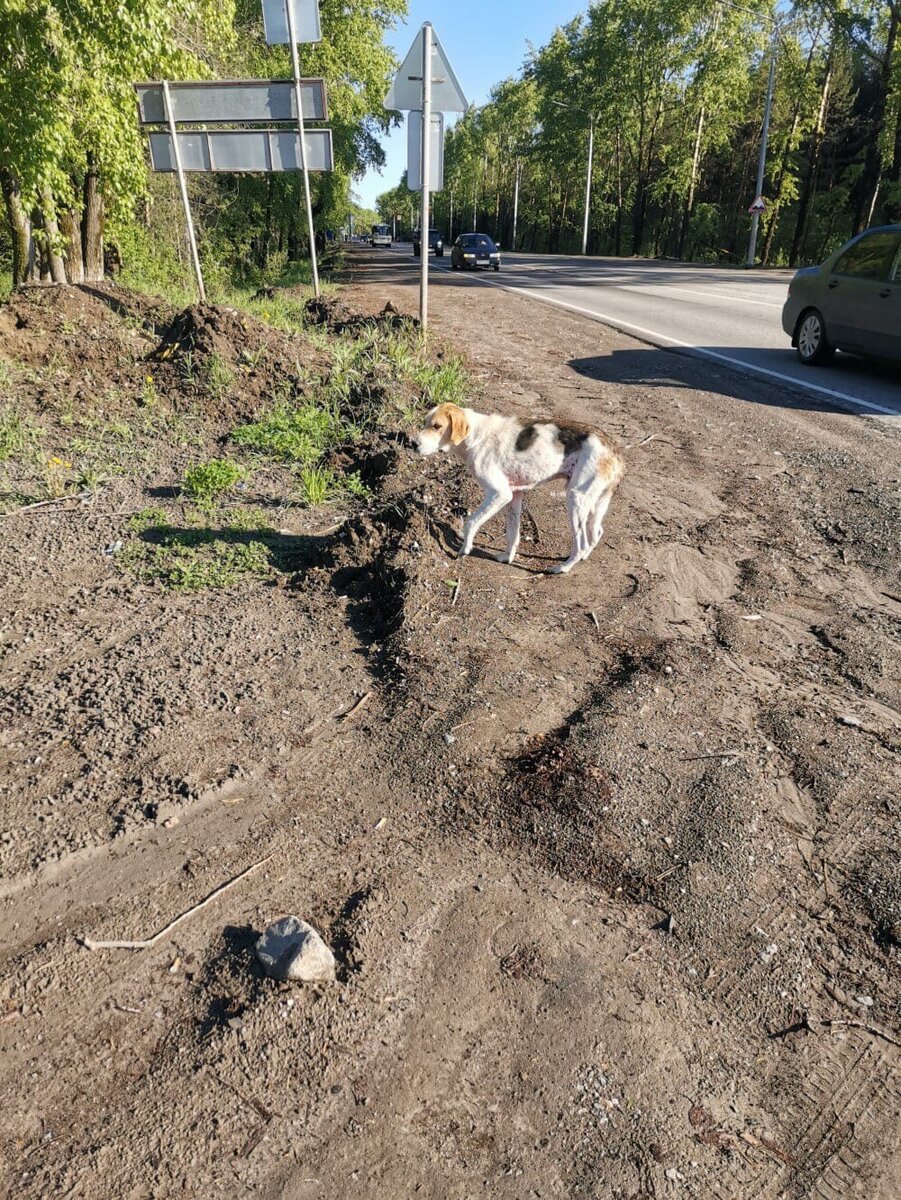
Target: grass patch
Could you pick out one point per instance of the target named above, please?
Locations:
(195, 556)
(19, 436)
(298, 434)
(187, 568)
(217, 376)
(206, 482)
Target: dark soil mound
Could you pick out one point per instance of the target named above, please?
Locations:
(229, 362)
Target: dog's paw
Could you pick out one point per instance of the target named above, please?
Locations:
(464, 552)
(503, 557)
(561, 569)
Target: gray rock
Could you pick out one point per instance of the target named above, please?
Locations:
(292, 949)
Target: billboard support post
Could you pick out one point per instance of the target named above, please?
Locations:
(295, 65)
(425, 175)
(176, 154)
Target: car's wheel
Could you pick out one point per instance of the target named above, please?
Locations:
(812, 343)
(439, 254)
(497, 267)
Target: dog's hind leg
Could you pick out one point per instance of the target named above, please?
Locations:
(577, 516)
(514, 515)
(597, 520)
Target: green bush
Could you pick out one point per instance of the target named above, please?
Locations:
(206, 482)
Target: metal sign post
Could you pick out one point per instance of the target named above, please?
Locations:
(425, 175)
(295, 64)
(761, 165)
(447, 95)
(167, 104)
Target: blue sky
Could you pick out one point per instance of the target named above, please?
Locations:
(485, 41)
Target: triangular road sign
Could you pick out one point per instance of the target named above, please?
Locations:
(406, 91)
(758, 207)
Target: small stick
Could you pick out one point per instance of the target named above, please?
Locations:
(597, 624)
(668, 871)
(355, 708)
(874, 1029)
(716, 754)
(58, 500)
(125, 945)
(456, 592)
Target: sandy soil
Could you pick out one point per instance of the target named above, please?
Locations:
(609, 862)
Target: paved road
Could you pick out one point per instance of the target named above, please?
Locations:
(730, 316)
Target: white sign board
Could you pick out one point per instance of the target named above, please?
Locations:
(306, 21)
(414, 152)
(243, 150)
(406, 91)
(232, 101)
(758, 207)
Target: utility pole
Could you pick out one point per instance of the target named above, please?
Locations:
(588, 183)
(426, 172)
(176, 154)
(298, 95)
(761, 164)
(516, 201)
(591, 120)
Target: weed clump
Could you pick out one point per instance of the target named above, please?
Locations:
(206, 482)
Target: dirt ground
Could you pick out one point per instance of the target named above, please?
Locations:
(609, 861)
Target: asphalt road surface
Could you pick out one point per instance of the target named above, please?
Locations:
(729, 315)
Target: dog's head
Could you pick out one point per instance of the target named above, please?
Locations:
(444, 426)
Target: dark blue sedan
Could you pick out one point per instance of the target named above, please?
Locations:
(474, 250)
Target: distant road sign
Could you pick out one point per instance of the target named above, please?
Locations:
(232, 101)
(414, 152)
(243, 150)
(306, 21)
(406, 91)
(758, 207)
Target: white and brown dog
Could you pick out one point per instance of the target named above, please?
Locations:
(509, 458)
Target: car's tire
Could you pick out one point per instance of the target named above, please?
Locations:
(498, 267)
(810, 339)
(439, 254)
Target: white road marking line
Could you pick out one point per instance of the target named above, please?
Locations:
(627, 327)
(694, 292)
(636, 285)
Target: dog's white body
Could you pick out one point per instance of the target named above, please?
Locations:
(509, 458)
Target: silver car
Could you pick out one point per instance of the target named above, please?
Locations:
(851, 302)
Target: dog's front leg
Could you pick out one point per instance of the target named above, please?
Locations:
(496, 497)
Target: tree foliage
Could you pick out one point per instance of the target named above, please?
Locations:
(73, 161)
(675, 91)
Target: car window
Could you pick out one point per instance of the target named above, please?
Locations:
(895, 273)
(870, 258)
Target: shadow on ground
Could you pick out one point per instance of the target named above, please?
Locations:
(652, 366)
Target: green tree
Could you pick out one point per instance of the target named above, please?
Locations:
(70, 149)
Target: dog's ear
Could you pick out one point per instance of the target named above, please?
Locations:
(458, 424)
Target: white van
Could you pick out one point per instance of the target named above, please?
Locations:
(380, 236)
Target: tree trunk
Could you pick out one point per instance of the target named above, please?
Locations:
(893, 209)
(92, 228)
(24, 260)
(70, 227)
(871, 179)
(811, 177)
(692, 187)
(55, 259)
